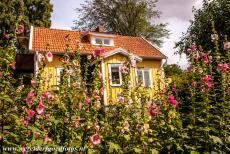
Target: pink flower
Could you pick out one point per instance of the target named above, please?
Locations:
(152, 109)
(98, 52)
(47, 139)
(102, 91)
(40, 108)
(120, 99)
(139, 127)
(163, 91)
(207, 78)
(23, 149)
(226, 45)
(194, 47)
(87, 100)
(219, 67)
(125, 127)
(133, 61)
(189, 68)
(1, 138)
(20, 29)
(29, 98)
(13, 65)
(172, 100)
(33, 82)
(24, 121)
(228, 92)
(95, 139)
(124, 69)
(173, 87)
(49, 56)
(205, 58)
(30, 113)
(225, 67)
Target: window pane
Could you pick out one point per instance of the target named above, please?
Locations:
(139, 77)
(147, 78)
(107, 41)
(115, 75)
(98, 41)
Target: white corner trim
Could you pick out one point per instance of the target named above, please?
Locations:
(121, 51)
(104, 81)
(31, 37)
(35, 64)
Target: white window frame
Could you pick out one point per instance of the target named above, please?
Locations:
(58, 75)
(110, 74)
(93, 41)
(143, 79)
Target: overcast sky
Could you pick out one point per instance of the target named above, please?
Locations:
(176, 13)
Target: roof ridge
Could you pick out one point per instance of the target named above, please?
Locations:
(69, 30)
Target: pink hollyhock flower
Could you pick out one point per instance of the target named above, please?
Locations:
(189, 68)
(205, 58)
(163, 91)
(219, 67)
(49, 56)
(228, 92)
(225, 67)
(152, 109)
(226, 45)
(47, 139)
(29, 98)
(7, 36)
(102, 91)
(20, 29)
(95, 139)
(33, 82)
(194, 47)
(124, 69)
(120, 99)
(125, 127)
(139, 127)
(207, 78)
(23, 149)
(172, 100)
(100, 75)
(30, 113)
(98, 52)
(173, 87)
(87, 100)
(24, 121)
(133, 61)
(13, 65)
(40, 108)
(189, 50)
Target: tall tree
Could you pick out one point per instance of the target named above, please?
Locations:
(213, 14)
(30, 12)
(124, 17)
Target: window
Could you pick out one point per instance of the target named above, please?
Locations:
(115, 75)
(102, 41)
(143, 77)
(60, 73)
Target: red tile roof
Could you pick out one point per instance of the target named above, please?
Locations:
(55, 39)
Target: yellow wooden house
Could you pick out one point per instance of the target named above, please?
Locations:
(149, 58)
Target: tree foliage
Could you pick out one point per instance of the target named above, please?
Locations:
(30, 12)
(215, 13)
(172, 70)
(124, 17)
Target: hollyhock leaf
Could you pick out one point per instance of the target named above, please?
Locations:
(216, 139)
(137, 150)
(127, 137)
(113, 147)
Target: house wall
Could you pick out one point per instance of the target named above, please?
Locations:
(152, 65)
(111, 91)
(50, 72)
